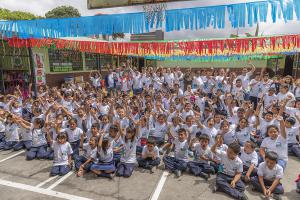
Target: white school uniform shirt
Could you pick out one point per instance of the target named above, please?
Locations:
(41, 116)
(245, 79)
(17, 111)
(270, 174)
(279, 145)
(297, 92)
(291, 134)
(256, 89)
(111, 80)
(137, 81)
(2, 127)
(12, 133)
(229, 137)
(25, 134)
(199, 151)
(124, 123)
(146, 151)
(95, 81)
(159, 130)
(244, 134)
(224, 148)
(268, 100)
(282, 97)
(192, 130)
(61, 153)
(74, 135)
(102, 156)
(68, 105)
(144, 133)
(265, 86)
(211, 132)
(174, 130)
(184, 114)
(128, 153)
(88, 151)
(38, 137)
(292, 112)
(249, 159)
(263, 125)
(104, 109)
(230, 167)
(238, 91)
(181, 150)
(169, 79)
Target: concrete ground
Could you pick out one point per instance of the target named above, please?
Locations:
(20, 179)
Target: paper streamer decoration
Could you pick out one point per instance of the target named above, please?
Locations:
(239, 15)
(204, 49)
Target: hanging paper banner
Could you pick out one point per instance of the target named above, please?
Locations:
(167, 49)
(239, 15)
(39, 69)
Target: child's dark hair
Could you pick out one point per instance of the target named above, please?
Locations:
(130, 130)
(252, 144)
(62, 135)
(104, 144)
(114, 128)
(271, 155)
(235, 147)
(73, 120)
(291, 120)
(238, 128)
(182, 130)
(204, 137)
(40, 122)
(151, 140)
(95, 125)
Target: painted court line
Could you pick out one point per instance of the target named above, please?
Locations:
(160, 186)
(60, 180)
(14, 155)
(46, 181)
(41, 190)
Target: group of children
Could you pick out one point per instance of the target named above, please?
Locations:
(240, 128)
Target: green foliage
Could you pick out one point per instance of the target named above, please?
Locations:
(63, 12)
(6, 14)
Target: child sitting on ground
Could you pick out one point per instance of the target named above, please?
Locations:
(150, 156)
(231, 169)
(178, 163)
(202, 157)
(62, 162)
(250, 160)
(269, 175)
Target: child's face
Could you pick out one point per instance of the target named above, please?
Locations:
(121, 113)
(150, 147)
(112, 133)
(270, 163)
(243, 123)
(204, 143)
(225, 127)
(230, 153)
(217, 118)
(189, 121)
(181, 136)
(80, 113)
(72, 125)
(273, 133)
(247, 148)
(94, 130)
(62, 140)
(211, 123)
(287, 124)
(268, 117)
(238, 84)
(161, 120)
(92, 142)
(129, 135)
(105, 120)
(297, 105)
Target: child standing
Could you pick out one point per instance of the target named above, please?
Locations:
(202, 157)
(150, 156)
(128, 153)
(62, 156)
(269, 175)
(231, 168)
(178, 163)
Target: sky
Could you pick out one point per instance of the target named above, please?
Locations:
(40, 7)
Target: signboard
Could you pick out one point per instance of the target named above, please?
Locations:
(65, 60)
(94, 4)
(39, 68)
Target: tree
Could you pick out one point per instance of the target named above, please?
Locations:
(63, 12)
(6, 14)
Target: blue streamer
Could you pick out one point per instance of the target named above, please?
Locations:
(135, 23)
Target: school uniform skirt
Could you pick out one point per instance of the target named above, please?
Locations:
(104, 166)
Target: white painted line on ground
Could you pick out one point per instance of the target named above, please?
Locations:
(46, 181)
(41, 190)
(14, 155)
(159, 186)
(60, 180)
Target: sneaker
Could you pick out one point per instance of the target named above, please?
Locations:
(276, 197)
(244, 197)
(178, 173)
(203, 175)
(215, 189)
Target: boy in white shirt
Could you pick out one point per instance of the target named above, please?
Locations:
(231, 168)
(269, 176)
(250, 160)
(150, 156)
